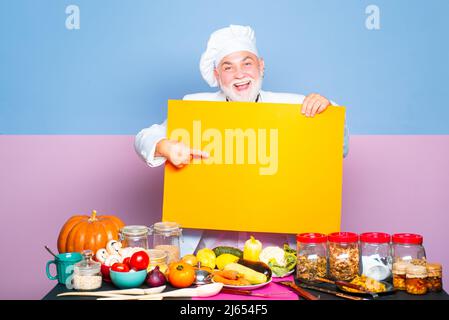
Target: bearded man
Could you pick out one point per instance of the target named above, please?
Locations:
(232, 63)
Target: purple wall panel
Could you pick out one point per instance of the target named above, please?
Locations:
(46, 179)
(391, 184)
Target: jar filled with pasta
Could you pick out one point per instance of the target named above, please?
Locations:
(343, 256)
(311, 256)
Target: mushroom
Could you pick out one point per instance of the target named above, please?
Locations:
(113, 258)
(101, 255)
(113, 246)
(125, 252)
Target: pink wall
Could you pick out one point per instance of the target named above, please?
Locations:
(391, 183)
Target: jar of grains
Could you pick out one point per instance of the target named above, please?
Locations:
(87, 273)
(167, 237)
(416, 279)
(311, 256)
(343, 256)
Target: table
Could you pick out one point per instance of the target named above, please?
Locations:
(287, 294)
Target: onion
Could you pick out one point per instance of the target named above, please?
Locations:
(156, 278)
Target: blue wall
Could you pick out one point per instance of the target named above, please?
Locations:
(114, 75)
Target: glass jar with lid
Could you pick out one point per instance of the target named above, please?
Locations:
(167, 237)
(416, 279)
(376, 258)
(87, 273)
(134, 236)
(343, 255)
(399, 274)
(434, 277)
(408, 247)
(157, 258)
(311, 256)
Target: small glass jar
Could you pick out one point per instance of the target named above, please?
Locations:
(166, 237)
(399, 274)
(434, 277)
(87, 273)
(134, 237)
(376, 259)
(343, 256)
(415, 279)
(311, 256)
(157, 258)
(409, 247)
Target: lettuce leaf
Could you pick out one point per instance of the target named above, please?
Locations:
(290, 262)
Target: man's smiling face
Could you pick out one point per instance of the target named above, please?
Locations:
(240, 76)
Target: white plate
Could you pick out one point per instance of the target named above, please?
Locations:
(287, 274)
(250, 287)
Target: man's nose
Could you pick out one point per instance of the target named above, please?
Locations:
(239, 74)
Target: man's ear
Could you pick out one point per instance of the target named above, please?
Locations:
(261, 66)
(216, 73)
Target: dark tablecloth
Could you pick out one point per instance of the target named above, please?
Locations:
(397, 295)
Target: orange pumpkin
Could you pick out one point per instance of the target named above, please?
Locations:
(83, 232)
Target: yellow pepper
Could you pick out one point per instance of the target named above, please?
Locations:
(252, 249)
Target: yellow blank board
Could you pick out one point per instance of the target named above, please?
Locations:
(292, 189)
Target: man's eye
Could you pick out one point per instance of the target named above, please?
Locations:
(248, 63)
(227, 68)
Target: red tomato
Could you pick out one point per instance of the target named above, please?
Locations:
(120, 267)
(139, 260)
(105, 271)
(126, 261)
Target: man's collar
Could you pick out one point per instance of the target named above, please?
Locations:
(257, 98)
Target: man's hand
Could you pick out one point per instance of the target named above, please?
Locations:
(313, 104)
(177, 153)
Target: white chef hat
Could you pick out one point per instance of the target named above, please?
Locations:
(223, 42)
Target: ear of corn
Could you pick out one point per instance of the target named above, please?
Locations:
(251, 275)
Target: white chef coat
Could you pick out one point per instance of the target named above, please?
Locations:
(145, 145)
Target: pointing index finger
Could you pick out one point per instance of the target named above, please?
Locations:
(198, 153)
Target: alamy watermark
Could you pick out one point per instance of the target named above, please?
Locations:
(72, 21)
(372, 21)
(235, 146)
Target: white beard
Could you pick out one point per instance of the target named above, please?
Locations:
(247, 96)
